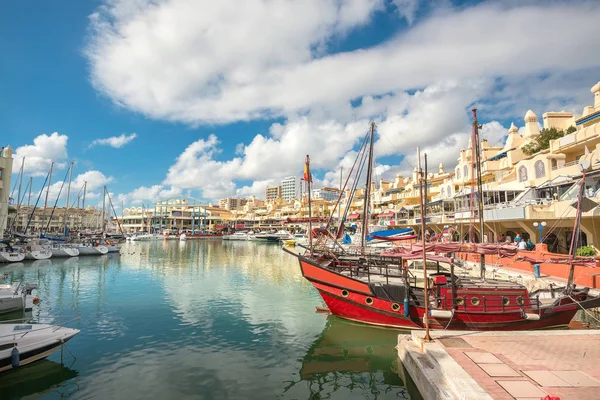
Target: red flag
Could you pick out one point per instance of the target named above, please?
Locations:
(307, 175)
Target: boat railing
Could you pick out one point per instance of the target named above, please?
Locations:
(489, 304)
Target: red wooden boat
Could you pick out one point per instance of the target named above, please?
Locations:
(380, 290)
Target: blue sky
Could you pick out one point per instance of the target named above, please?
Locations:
(226, 100)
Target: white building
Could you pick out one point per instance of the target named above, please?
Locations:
(6, 162)
(326, 193)
(290, 188)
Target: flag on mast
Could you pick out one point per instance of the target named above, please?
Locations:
(307, 175)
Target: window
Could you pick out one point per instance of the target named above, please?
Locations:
(554, 164)
(443, 192)
(540, 170)
(458, 173)
(449, 191)
(466, 172)
(522, 173)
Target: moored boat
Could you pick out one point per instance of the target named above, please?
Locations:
(64, 250)
(10, 254)
(32, 342)
(91, 250)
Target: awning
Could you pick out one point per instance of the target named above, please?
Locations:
(388, 213)
(500, 155)
(220, 227)
(353, 215)
(238, 226)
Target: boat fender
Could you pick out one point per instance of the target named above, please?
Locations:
(533, 317)
(15, 357)
(406, 307)
(36, 300)
(441, 313)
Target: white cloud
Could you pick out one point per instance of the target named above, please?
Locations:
(40, 154)
(95, 179)
(233, 62)
(148, 193)
(114, 141)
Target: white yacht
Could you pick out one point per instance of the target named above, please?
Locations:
(32, 342)
(9, 254)
(240, 235)
(16, 296)
(64, 250)
(86, 249)
(147, 237)
(37, 249)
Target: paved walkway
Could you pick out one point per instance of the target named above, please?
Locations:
(523, 365)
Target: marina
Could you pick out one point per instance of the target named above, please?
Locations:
(196, 317)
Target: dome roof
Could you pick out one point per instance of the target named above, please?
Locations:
(530, 116)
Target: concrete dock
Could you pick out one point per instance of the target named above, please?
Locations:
(504, 365)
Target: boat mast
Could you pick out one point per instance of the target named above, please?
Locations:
(583, 166)
(29, 197)
(47, 193)
(68, 194)
(365, 224)
(477, 162)
(308, 178)
(83, 205)
(103, 209)
(422, 194)
(19, 191)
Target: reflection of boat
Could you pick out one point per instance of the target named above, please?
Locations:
(355, 357)
(33, 342)
(35, 379)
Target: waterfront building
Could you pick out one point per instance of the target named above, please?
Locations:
(326, 193)
(272, 193)
(232, 203)
(53, 220)
(6, 162)
(521, 188)
(290, 188)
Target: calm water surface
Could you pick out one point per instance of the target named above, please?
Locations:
(199, 320)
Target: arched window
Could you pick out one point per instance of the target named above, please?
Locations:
(449, 191)
(458, 173)
(554, 164)
(443, 192)
(540, 170)
(522, 173)
(466, 172)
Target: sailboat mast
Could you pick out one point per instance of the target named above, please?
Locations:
(308, 178)
(477, 147)
(422, 195)
(68, 194)
(365, 224)
(29, 197)
(46, 199)
(576, 227)
(103, 209)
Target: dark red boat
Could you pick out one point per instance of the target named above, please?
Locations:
(381, 290)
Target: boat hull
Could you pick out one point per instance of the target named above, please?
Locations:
(65, 252)
(10, 257)
(43, 254)
(354, 300)
(11, 304)
(92, 250)
(34, 344)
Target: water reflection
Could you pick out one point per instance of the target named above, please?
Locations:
(353, 361)
(201, 319)
(37, 379)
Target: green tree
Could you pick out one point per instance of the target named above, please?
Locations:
(542, 141)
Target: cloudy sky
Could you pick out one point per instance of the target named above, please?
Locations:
(156, 98)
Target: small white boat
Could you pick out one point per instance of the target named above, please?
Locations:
(90, 250)
(241, 235)
(183, 237)
(10, 255)
(32, 342)
(16, 296)
(64, 250)
(147, 237)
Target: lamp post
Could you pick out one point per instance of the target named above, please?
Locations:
(540, 227)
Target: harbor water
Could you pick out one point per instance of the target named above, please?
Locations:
(202, 319)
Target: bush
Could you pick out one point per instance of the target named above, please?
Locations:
(586, 251)
(542, 142)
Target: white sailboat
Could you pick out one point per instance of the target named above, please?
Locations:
(37, 249)
(64, 250)
(10, 254)
(86, 249)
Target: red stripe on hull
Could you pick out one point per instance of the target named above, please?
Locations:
(313, 273)
(381, 312)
